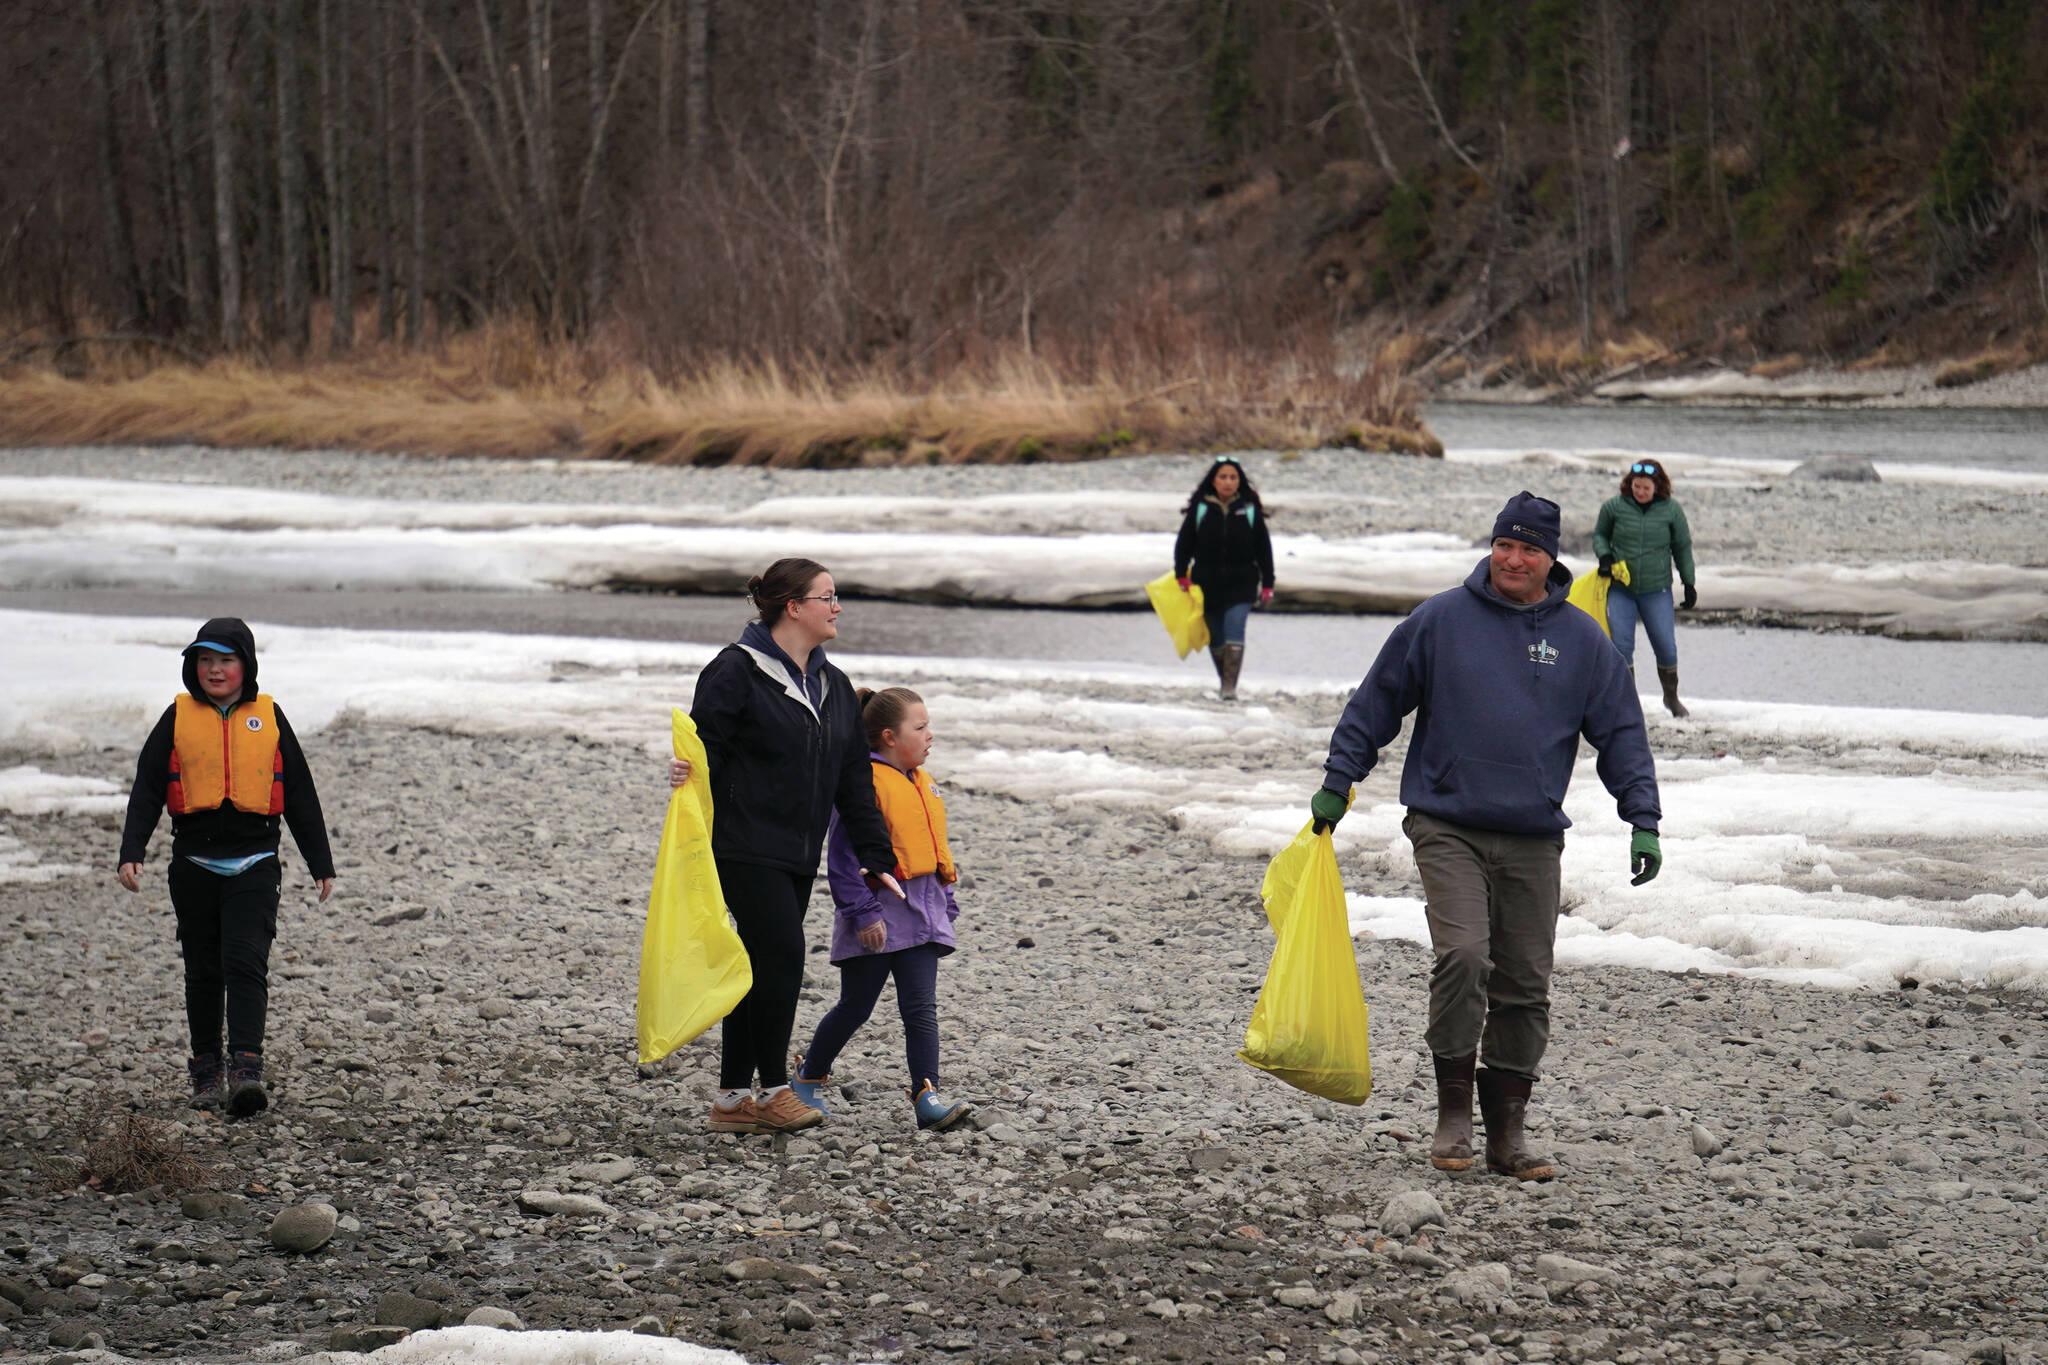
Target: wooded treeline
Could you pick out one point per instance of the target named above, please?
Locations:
(919, 183)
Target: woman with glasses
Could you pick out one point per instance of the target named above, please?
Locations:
(783, 736)
(1644, 527)
(1223, 548)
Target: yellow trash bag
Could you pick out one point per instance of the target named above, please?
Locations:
(1180, 612)
(1589, 593)
(1309, 1025)
(693, 969)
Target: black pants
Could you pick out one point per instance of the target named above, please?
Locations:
(767, 907)
(917, 999)
(225, 926)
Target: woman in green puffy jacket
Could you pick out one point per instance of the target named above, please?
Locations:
(1644, 528)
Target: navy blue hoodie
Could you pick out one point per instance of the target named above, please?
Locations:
(1501, 694)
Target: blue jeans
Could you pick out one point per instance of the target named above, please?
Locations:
(917, 999)
(1226, 624)
(1659, 624)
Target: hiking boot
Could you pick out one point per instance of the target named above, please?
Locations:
(246, 1095)
(935, 1113)
(811, 1092)
(1451, 1148)
(1227, 669)
(1504, 1103)
(741, 1118)
(209, 1081)
(783, 1112)
(1669, 677)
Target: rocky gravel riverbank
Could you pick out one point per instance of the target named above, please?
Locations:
(1752, 1172)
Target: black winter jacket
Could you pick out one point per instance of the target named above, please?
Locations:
(783, 755)
(1231, 554)
(225, 832)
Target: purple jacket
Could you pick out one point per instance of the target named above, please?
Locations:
(924, 915)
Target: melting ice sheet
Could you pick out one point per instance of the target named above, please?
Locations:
(490, 1346)
(1012, 549)
(1829, 845)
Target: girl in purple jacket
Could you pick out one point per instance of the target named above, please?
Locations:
(876, 934)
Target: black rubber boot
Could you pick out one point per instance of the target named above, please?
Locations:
(1451, 1148)
(1504, 1104)
(1669, 677)
(1227, 668)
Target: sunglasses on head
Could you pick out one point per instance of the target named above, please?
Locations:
(1640, 468)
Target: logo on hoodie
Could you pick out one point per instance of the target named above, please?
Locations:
(1542, 653)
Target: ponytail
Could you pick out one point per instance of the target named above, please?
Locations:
(884, 710)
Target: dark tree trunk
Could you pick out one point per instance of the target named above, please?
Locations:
(590, 230)
(696, 85)
(183, 142)
(220, 15)
(416, 283)
(387, 213)
(334, 163)
(291, 180)
(113, 196)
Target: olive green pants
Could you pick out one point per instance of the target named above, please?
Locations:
(1492, 902)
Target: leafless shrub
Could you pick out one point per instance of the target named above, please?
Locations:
(116, 1151)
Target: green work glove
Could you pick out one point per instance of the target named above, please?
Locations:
(1328, 808)
(1644, 856)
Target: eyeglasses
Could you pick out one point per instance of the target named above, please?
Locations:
(1230, 459)
(1640, 468)
(829, 598)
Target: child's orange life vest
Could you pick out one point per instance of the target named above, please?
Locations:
(226, 759)
(917, 822)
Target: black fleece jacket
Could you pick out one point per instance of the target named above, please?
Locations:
(225, 832)
(1225, 551)
(779, 767)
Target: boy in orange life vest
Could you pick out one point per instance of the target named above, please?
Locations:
(877, 934)
(225, 761)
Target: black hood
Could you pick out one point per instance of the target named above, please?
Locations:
(236, 635)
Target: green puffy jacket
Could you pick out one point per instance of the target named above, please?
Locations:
(1647, 539)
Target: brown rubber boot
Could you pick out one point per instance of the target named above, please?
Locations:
(1451, 1148)
(1227, 667)
(1503, 1103)
(1216, 658)
(1669, 677)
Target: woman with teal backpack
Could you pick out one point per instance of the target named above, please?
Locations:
(1644, 527)
(1224, 550)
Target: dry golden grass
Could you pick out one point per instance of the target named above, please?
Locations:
(1978, 368)
(502, 391)
(1778, 367)
(1542, 356)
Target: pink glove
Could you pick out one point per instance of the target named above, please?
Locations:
(1265, 597)
(1183, 584)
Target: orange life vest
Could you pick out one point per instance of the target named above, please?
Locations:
(917, 823)
(226, 759)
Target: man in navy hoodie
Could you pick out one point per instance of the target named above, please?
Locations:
(1503, 676)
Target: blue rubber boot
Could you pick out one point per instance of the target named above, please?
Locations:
(935, 1113)
(811, 1092)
